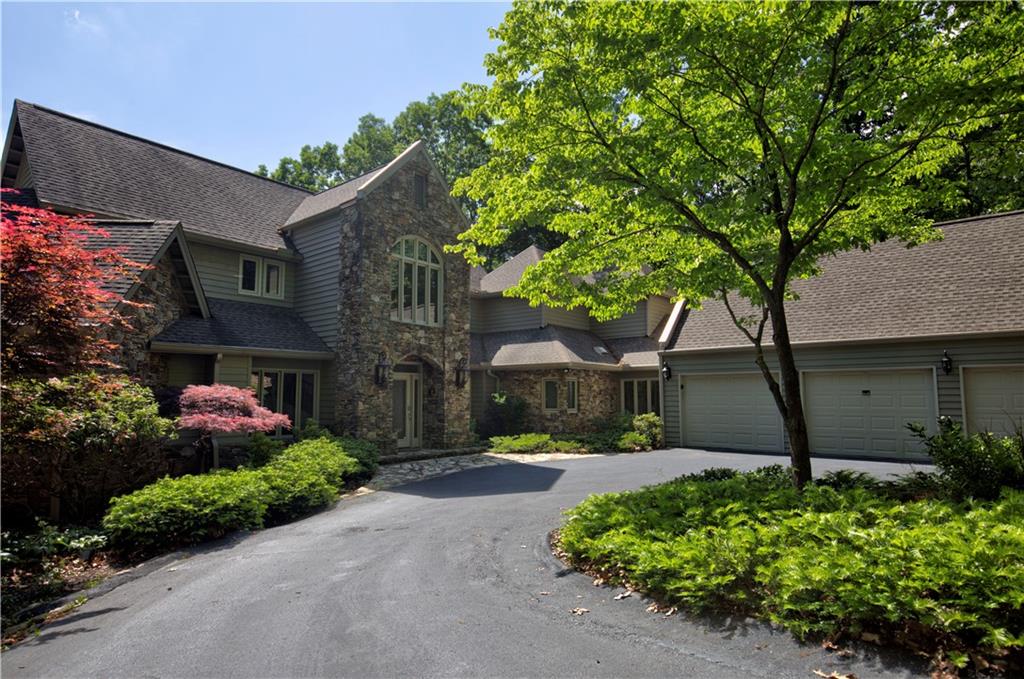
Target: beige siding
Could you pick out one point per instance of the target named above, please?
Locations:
(916, 354)
(657, 309)
(498, 314)
(316, 278)
(219, 270)
(186, 369)
(568, 318)
(633, 324)
(233, 369)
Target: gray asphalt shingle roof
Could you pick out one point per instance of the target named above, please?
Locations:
(245, 324)
(971, 282)
(331, 198)
(139, 241)
(509, 273)
(550, 345)
(82, 165)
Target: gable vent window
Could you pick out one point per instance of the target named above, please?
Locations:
(419, 190)
(260, 277)
(417, 283)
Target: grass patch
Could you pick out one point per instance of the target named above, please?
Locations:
(848, 555)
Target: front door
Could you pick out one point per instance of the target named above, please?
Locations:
(405, 409)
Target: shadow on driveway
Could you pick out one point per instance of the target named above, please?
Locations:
(515, 478)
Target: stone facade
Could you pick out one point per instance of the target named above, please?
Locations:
(598, 399)
(162, 302)
(369, 228)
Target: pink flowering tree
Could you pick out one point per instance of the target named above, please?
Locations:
(219, 409)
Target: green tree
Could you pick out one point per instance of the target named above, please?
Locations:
(317, 168)
(721, 149)
(372, 144)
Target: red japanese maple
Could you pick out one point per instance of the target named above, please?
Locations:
(55, 281)
(222, 409)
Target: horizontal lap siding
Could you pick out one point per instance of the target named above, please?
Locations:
(317, 278)
(633, 324)
(918, 354)
(218, 270)
(499, 314)
(186, 369)
(234, 369)
(567, 318)
(657, 308)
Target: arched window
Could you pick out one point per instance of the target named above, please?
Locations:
(417, 283)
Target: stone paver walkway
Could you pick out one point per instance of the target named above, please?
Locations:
(406, 472)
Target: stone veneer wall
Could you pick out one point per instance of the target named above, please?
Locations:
(164, 302)
(368, 230)
(598, 398)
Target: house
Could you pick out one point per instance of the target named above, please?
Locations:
(343, 306)
(340, 306)
(881, 338)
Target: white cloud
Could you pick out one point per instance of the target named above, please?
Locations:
(84, 25)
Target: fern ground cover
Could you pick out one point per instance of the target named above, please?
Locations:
(846, 556)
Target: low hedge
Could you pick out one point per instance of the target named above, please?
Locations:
(845, 555)
(306, 476)
(639, 433)
(191, 509)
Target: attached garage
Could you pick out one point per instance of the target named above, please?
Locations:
(731, 411)
(993, 398)
(865, 412)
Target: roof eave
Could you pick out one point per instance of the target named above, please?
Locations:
(186, 348)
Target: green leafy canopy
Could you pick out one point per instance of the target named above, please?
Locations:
(723, 146)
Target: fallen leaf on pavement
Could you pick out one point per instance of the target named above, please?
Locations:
(653, 608)
(545, 593)
(579, 611)
(671, 611)
(598, 582)
(619, 597)
(834, 675)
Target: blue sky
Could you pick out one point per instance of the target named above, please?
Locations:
(240, 83)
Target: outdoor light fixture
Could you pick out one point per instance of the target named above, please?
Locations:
(947, 363)
(460, 373)
(666, 372)
(382, 370)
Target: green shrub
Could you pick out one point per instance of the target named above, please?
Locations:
(48, 540)
(822, 561)
(70, 444)
(521, 443)
(650, 429)
(975, 465)
(262, 449)
(306, 476)
(311, 429)
(505, 415)
(632, 442)
(364, 452)
(188, 509)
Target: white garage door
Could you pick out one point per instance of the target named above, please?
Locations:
(866, 412)
(994, 399)
(730, 411)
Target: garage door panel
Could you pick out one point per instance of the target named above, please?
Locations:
(866, 412)
(730, 411)
(994, 398)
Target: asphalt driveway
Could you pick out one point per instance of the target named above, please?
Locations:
(442, 577)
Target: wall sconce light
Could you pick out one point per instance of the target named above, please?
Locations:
(460, 373)
(666, 372)
(382, 371)
(947, 363)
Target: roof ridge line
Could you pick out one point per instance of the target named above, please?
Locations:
(991, 215)
(157, 144)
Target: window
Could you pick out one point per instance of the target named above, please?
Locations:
(419, 190)
(273, 279)
(249, 274)
(260, 277)
(641, 396)
(550, 395)
(292, 392)
(572, 388)
(417, 283)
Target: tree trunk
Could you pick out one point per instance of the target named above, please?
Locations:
(792, 406)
